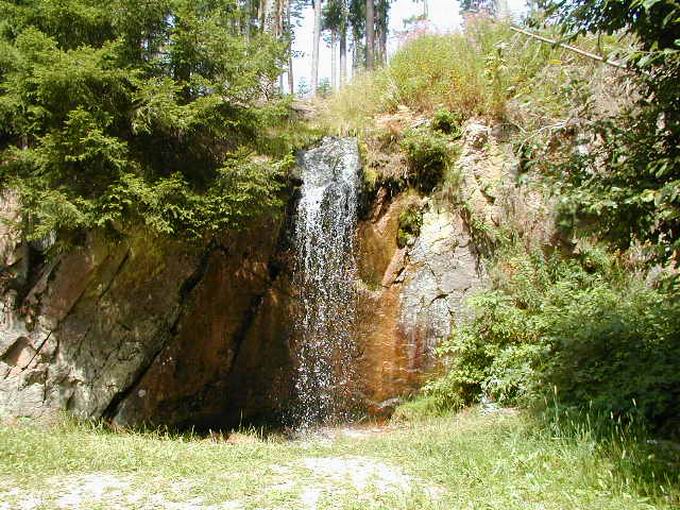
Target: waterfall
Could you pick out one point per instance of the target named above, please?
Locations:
(325, 269)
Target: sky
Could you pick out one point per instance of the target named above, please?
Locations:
(444, 17)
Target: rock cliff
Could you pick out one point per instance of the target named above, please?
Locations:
(160, 332)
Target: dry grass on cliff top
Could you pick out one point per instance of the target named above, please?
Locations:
(461, 461)
(487, 71)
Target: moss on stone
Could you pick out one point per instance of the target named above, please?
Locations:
(427, 155)
(410, 222)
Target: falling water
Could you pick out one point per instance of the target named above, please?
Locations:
(325, 269)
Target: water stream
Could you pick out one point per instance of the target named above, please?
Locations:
(325, 269)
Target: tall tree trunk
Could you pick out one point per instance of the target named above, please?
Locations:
(291, 81)
(334, 59)
(315, 47)
(280, 9)
(377, 46)
(370, 33)
(269, 22)
(383, 46)
(343, 57)
(247, 19)
(262, 14)
(280, 28)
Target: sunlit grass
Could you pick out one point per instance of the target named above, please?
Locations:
(475, 73)
(468, 460)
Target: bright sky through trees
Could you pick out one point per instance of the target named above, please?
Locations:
(444, 16)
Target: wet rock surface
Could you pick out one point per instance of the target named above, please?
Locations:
(91, 323)
(228, 359)
(421, 294)
(144, 331)
(412, 297)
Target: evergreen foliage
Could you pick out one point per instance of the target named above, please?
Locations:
(125, 112)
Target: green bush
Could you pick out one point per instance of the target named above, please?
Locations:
(618, 351)
(581, 331)
(410, 221)
(427, 156)
(447, 122)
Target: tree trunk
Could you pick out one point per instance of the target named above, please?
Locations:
(370, 33)
(269, 22)
(280, 9)
(343, 57)
(262, 14)
(377, 44)
(246, 19)
(383, 45)
(291, 81)
(315, 47)
(334, 59)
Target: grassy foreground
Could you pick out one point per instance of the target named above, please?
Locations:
(469, 460)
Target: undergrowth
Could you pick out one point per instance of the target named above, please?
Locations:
(409, 114)
(585, 328)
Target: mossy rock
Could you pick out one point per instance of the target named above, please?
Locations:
(427, 155)
(410, 223)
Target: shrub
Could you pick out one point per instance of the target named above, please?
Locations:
(410, 221)
(618, 351)
(447, 122)
(427, 157)
(580, 330)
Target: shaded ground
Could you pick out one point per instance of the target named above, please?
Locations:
(470, 460)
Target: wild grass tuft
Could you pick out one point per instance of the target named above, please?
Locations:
(475, 73)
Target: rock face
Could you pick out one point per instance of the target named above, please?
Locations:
(89, 324)
(420, 295)
(412, 297)
(143, 331)
(228, 359)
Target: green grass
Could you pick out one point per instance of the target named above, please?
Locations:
(500, 461)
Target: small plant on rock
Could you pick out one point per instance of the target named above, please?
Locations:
(410, 222)
(427, 156)
(447, 122)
